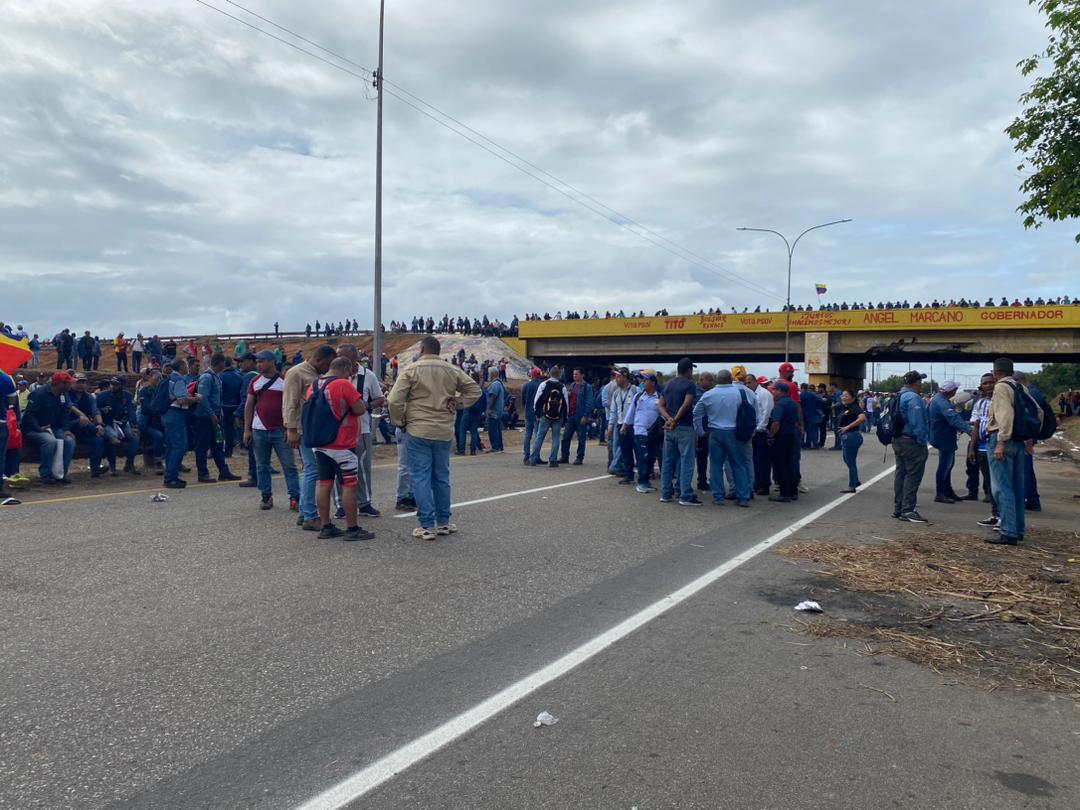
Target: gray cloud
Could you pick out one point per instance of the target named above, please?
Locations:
(167, 168)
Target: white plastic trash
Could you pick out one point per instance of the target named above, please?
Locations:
(545, 719)
(161, 497)
(809, 607)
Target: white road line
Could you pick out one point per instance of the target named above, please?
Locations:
(515, 494)
(381, 771)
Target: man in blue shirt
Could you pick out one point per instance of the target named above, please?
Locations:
(45, 423)
(91, 430)
(528, 396)
(677, 409)
(720, 406)
(495, 399)
(639, 420)
(581, 401)
(945, 423)
(909, 448)
(812, 417)
(206, 419)
(117, 408)
(232, 388)
(784, 432)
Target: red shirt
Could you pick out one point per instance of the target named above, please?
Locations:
(341, 394)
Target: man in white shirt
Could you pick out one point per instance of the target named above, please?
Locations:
(763, 405)
(368, 385)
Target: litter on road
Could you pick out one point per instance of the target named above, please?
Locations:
(545, 719)
(809, 607)
(161, 497)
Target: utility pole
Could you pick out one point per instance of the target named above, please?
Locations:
(376, 343)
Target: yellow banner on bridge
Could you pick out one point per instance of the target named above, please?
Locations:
(869, 320)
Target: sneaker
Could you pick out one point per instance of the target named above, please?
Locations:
(420, 533)
(340, 513)
(267, 503)
(177, 484)
(294, 504)
(207, 479)
(1032, 507)
(990, 521)
(691, 501)
(356, 533)
(645, 488)
(577, 462)
(249, 484)
(228, 476)
(1001, 540)
(943, 499)
(802, 489)
(330, 531)
(971, 496)
(446, 528)
(896, 515)
(369, 511)
(913, 517)
(404, 506)
(627, 481)
(553, 464)
(312, 525)
(665, 499)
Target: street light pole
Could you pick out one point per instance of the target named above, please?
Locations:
(376, 342)
(791, 252)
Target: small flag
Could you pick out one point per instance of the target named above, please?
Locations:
(821, 289)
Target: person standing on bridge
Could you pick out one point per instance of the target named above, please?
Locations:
(909, 448)
(945, 423)
(423, 401)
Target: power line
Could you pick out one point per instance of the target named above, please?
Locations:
(583, 199)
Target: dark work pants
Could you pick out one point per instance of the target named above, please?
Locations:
(626, 440)
(205, 445)
(782, 464)
(984, 467)
(228, 427)
(701, 453)
(762, 463)
(910, 465)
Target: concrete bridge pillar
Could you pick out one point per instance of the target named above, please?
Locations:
(823, 366)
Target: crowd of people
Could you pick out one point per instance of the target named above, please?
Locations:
(461, 325)
(820, 307)
(1069, 403)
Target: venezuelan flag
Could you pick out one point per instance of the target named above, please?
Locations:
(821, 289)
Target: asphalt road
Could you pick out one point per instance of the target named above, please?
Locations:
(200, 653)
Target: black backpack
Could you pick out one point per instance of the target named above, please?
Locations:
(317, 420)
(1049, 420)
(1026, 422)
(745, 419)
(553, 406)
(891, 422)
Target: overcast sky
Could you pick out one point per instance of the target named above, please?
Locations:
(167, 169)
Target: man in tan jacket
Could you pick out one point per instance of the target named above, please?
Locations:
(1005, 452)
(423, 402)
(298, 380)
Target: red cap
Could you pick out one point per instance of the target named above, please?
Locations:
(785, 367)
(535, 372)
(763, 380)
(62, 377)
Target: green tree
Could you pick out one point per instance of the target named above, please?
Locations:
(1053, 378)
(889, 385)
(1047, 132)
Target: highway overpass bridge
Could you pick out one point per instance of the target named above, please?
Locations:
(829, 345)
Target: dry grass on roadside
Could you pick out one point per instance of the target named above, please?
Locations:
(1000, 615)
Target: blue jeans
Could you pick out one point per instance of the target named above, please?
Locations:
(678, 450)
(852, 441)
(175, 422)
(264, 441)
(429, 466)
(615, 451)
(530, 428)
(494, 431)
(574, 428)
(309, 479)
(946, 460)
(404, 480)
(725, 448)
(156, 439)
(811, 440)
(1007, 478)
(543, 424)
(468, 426)
(47, 442)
